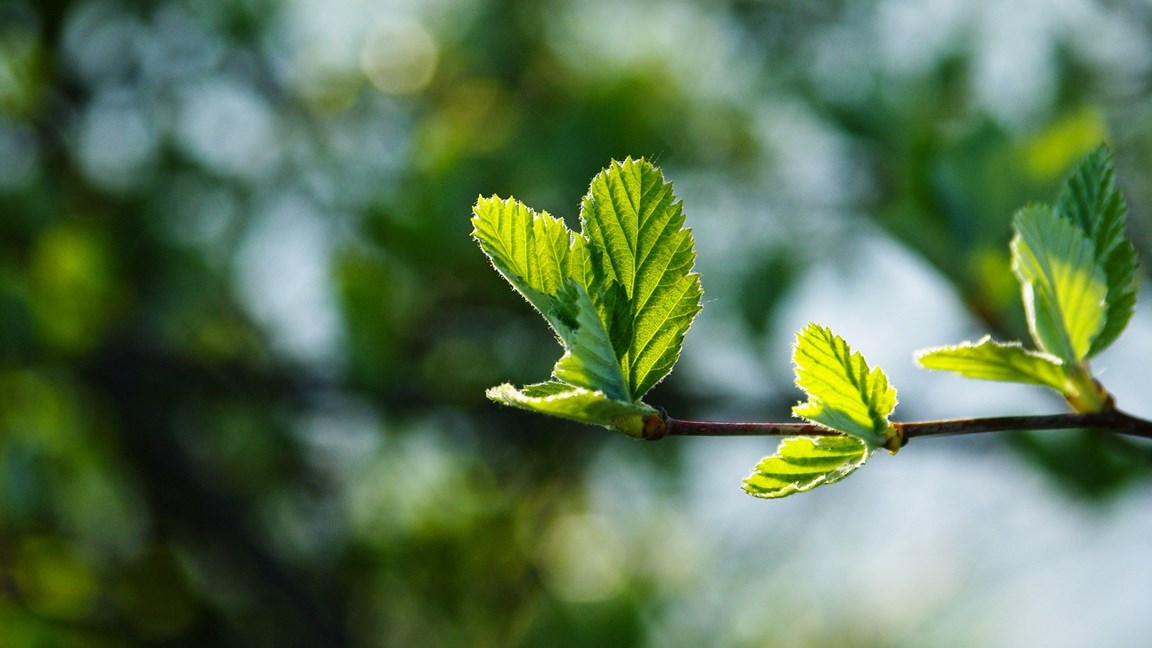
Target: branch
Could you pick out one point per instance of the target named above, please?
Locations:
(1113, 420)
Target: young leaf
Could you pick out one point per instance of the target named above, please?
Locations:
(843, 393)
(539, 255)
(642, 259)
(589, 360)
(1091, 199)
(990, 360)
(566, 401)
(803, 463)
(1063, 288)
(619, 299)
(535, 252)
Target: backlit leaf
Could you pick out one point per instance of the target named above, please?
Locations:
(589, 360)
(987, 359)
(535, 252)
(642, 258)
(843, 393)
(803, 463)
(566, 401)
(620, 295)
(1062, 286)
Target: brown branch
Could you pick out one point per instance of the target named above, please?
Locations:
(1112, 420)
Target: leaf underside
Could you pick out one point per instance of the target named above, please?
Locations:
(566, 401)
(987, 359)
(843, 393)
(803, 463)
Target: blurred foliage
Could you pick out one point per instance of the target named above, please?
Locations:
(244, 336)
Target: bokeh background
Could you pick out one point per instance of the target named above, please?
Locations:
(244, 335)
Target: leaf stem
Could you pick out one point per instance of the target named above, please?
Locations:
(1113, 420)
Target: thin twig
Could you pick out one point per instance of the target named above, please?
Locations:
(1113, 420)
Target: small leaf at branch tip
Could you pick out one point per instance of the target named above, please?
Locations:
(643, 258)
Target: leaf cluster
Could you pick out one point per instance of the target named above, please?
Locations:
(844, 394)
(1077, 274)
(621, 294)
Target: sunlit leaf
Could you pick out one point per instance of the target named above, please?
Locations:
(566, 401)
(638, 243)
(1063, 288)
(987, 359)
(843, 393)
(535, 252)
(620, 295)
(803, 463)
(589, 360)
(540, 257)
(1091, 199)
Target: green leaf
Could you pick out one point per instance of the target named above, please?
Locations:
(619, 299)
(589, 360)
(566, 401)
(535, 252)
(1120, 268)
(1063, 288)
(642, 258)
(843, 393)
(1091, 199)
(990, 360)
(803, 463)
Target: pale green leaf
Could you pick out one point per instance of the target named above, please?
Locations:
(535, 252)
(620, 295)
(843, 393)
(566, 401)
(642, 258)
(1063, 288)
(803, 463)
(990, 360)
(539, 256)
(1091, 199)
